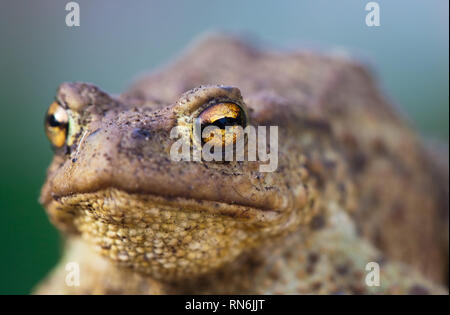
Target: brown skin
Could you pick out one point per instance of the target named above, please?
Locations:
(353, 185)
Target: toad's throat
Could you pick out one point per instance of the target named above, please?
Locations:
(165, 238)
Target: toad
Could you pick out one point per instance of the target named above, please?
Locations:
(357, 204)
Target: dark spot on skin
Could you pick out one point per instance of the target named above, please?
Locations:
(288, 255)
(140, 134)
(399, 166)
(106, 246)
(418, 290)
(358, 162)
(317, 223)
(329, 164)
(342, 188)
(310, 269)
(313, 258)
(378, 239)
(350, 141)
(254, 263)
(316, 286)
(320, 180)
(357, 290)
(319, 125)
(359, 230)
(274, 275)
(381, 260)
(379, 147)
(67, 150)
(398, 212)
(342, 270)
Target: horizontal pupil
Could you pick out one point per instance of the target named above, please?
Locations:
(225, 121)
(53, 122)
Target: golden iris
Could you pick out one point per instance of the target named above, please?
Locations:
(56, 124)
(223, 115)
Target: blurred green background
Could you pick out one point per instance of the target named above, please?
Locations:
(119, 39)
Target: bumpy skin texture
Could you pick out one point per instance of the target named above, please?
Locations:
(353, 185)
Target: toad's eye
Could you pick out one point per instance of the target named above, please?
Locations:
(56, 124)
(225, 116)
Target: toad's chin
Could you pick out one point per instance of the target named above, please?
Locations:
(166, 238)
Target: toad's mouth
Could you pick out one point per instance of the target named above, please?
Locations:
(115, 206)
(229, 194)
